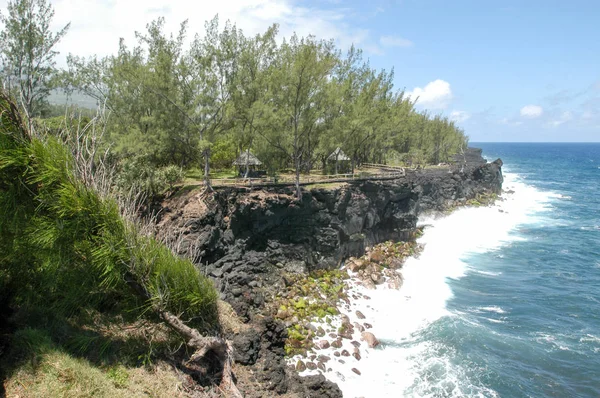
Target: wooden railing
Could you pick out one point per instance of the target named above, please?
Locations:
(304, 180)
(383, 167)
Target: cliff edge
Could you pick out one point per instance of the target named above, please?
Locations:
(247, 240)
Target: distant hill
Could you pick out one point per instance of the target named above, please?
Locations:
(58, 97)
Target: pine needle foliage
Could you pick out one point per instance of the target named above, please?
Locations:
(65, 247)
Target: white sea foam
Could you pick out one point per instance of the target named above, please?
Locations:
(554, 342)
(494, 308)
(590, 338)
(406, 364)
(487, 273)
(495, 320)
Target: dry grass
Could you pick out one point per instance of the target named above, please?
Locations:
(57, 374)
(229, 320)
(47, 370)
(327, 185)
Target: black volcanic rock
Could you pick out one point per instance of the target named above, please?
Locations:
(246, 240)
(243, 239)
(246, 347)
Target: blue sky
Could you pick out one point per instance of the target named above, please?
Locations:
(505, 70)
(517, 70)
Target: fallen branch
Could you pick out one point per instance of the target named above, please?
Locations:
(221, 348)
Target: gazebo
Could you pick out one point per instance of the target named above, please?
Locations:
(339, 156)
(248, 159)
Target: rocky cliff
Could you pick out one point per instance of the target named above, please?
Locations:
(247, 240)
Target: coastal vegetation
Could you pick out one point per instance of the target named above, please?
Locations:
(69, 248)
(200, 102)
(90, 299)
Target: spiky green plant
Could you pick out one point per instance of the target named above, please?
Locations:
(65, 247)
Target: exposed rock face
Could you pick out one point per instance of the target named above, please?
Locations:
(244, 240)
(315, 387)
(248, 241)
(246, 347)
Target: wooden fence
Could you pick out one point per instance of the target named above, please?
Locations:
(399, 169)
(304, 180)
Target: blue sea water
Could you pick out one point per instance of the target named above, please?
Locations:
(530, 309)
(504, 301)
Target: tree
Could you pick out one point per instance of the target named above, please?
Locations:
(250, 89)
(27, 52)
(212, 64)
(292, 103)
(298, 91)
(145, 89)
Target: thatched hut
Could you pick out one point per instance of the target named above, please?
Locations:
(251, 162)
(340, 159)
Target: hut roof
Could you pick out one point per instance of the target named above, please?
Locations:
(339, 153)
(252, 160)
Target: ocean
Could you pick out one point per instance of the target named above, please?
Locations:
(504, 301)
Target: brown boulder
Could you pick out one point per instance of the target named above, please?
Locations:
(356, 353)
(370, 339)
(377, 278)
(369, 284)
(323, 344)
(377, 256)
(355, 265)
(394, 284)
(300, 366)
(396, 263)
(359, 327)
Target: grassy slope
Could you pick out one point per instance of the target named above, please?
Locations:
(102, 356)
(69, 325)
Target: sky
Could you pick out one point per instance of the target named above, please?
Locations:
(505, 71)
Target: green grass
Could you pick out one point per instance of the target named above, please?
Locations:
(46, 370)
(196, 174)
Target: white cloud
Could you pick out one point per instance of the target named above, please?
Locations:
(510, 122)
(97, 25)
(395, 41)
(435, 95)
(564, 117)
(532, 111)
(459, 116)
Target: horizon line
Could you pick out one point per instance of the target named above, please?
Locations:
(534, 142)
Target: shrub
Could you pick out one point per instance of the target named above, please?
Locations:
(172, 175)
(64, 247)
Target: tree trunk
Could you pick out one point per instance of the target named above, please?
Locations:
(248, 160)
(298, 190)
(207, 170)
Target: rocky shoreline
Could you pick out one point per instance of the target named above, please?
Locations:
(277, 262)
